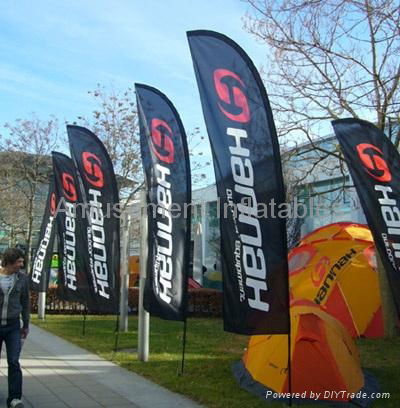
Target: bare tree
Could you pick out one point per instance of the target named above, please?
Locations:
(198, 167)
(329, 59)
(115, 122)
(24, 172)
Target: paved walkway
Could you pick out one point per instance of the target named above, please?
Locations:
(58, 374)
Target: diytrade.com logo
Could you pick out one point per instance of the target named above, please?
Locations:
(328, 395)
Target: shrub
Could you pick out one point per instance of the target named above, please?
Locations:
(202, 302)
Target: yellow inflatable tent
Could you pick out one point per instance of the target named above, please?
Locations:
(335, 267)
(324, 361)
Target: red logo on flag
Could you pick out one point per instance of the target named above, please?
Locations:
(53, 204)
(318, 273)
(375, 165)
(93, 172)
(162, 144)
(233, 102)
(69, 187)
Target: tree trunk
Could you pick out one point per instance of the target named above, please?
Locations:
(29, 239)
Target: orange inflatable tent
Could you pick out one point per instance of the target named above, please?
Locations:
(324, 361)
(334, 266)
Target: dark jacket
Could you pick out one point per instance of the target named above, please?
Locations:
(16, 302)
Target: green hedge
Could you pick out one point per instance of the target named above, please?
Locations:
(202, 302)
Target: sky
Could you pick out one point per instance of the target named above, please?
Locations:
(53, 52)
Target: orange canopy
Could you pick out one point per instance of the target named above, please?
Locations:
(323, 358)
(335, 267)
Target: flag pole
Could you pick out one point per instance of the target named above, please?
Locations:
(143, 315)
(289, 361)
(116, 333)
(183, 345)
(42, 305)
(185, 325)
(122, 316)
(289, 315)
(124, 285)
(84, 322)
(117, 316)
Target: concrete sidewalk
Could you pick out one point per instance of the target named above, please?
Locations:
(58, 374)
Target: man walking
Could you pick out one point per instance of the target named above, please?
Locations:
(14, 302)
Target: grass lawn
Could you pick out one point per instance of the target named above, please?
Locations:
(210, 352)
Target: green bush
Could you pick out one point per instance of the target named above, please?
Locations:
(202, 302)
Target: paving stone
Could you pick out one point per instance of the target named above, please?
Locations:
(57, 374)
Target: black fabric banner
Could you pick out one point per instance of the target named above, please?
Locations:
(40, 272)
(166, 164)
(72, 281)
(374, 165)
(248, 174)
(101, 217)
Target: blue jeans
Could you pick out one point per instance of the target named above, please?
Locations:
(11, 335)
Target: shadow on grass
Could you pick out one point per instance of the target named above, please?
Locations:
(207, 376)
